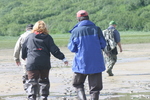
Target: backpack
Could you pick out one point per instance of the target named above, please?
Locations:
(110, 41)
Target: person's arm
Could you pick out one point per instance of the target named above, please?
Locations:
(120, 47)
(24, 49)
(17, 49)
(55, 51)
(117, 39)
(72, 45)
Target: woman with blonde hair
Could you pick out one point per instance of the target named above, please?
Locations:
(40, 26)
(37, 48)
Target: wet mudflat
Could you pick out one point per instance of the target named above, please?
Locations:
(130, 81)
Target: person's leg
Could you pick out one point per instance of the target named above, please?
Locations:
(24, 77)
(44, 84)
(95, 85)
(78, 83)
(32, 84)
(107, 61)
(111, 60)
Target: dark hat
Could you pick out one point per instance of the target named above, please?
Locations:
(29, 26)
(82, 13)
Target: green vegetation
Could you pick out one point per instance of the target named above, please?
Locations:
(60, 15)
(7, 42)
(135, 37)
(61, 40)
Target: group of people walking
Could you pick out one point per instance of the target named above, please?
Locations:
(34, 48)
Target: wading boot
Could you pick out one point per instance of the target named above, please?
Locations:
(81, 94)
(32, 97)
(43, 98)
(24, 79)
(95, 96)
(44, 88)
(32, 89)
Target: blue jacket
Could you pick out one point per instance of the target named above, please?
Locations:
(87, 46)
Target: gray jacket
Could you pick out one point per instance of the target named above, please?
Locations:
(18, 48)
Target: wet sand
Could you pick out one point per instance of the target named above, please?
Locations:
(131, 80)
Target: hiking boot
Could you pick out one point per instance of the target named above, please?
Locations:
(110, 73)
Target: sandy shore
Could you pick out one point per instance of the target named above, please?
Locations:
(131, 76)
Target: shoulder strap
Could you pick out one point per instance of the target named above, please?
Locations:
(111, 32)
(99, 32)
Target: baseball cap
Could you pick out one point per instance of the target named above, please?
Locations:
(82, 13)
(112, 23)
(30, 26)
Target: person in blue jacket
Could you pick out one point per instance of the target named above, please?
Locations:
(87, 42)
(37, 49)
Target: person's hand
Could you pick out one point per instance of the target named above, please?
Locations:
(66, 63)
(121, 50)
(18, 63)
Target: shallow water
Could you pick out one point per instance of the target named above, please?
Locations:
(123, 60)
(117, 93)
(103, 96)
(128, 85)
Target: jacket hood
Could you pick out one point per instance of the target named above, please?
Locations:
(83, 23)
(86, 23)
(41, 36)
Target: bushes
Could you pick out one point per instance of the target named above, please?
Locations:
(132, 5)
(60, 15)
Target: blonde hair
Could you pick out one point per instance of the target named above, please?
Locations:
(40, 26)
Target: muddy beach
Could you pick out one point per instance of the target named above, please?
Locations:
(131, 80)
